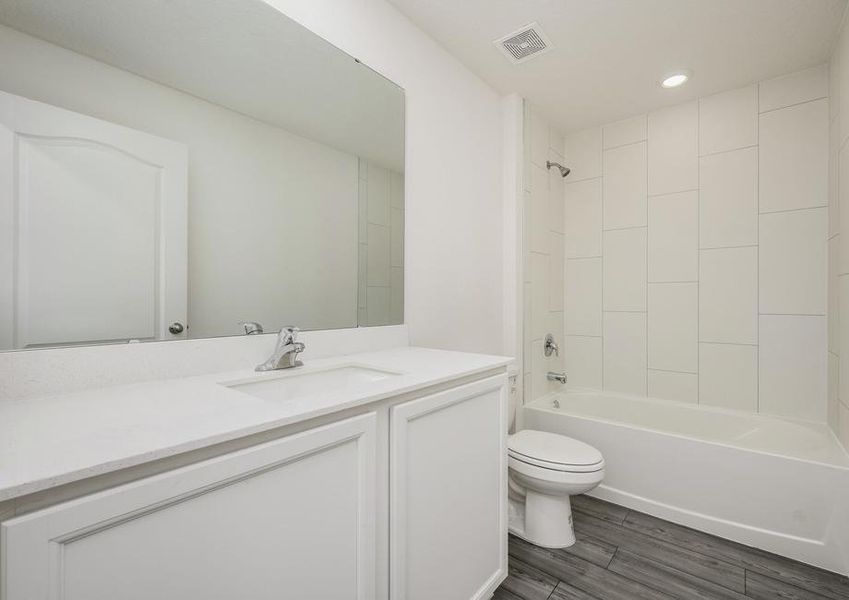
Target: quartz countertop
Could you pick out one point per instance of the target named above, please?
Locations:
(61, 438)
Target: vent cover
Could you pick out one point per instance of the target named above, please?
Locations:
(524, 43)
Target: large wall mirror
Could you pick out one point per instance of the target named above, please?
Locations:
(174, 169)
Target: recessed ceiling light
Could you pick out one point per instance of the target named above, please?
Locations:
(676, 79)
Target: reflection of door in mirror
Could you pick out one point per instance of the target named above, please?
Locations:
(93, 224)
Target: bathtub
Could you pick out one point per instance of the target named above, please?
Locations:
(773, 483)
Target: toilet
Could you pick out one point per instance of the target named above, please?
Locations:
(544, 470)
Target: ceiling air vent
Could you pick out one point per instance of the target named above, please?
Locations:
(524, 44)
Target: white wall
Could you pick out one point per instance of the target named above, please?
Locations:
(838, 243)
(696, 250)
(453, 196)
(263, 203)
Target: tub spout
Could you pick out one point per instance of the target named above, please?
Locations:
(552, 376)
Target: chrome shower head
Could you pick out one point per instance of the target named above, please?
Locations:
(564, 171)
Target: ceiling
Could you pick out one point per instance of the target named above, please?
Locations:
(246, 56)
(610, 54)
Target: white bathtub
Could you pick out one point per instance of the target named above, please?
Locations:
(773, 483)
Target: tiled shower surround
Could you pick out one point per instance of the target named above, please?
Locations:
(380, 298)
(696, 251)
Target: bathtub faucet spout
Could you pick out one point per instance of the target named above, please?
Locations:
(552, 376)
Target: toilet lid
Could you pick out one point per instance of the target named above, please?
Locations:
(543, 447)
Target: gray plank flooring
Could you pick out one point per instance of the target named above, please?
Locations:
(622, 554)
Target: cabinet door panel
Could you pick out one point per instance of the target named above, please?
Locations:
(448, 494)
(291, 518)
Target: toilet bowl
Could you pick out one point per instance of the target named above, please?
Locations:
(545, 469)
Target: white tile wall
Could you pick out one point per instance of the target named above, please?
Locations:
(728, 295)
(583, 154)
(624, 352)
(793, 155)
(380, 293)
(668, 385)
(729, 120)
(556, 198)
(673, 327)
(793, 367)
(673, 237)
(686, 229)
(728, 376)
(583, 218)
(556, 270)
(624, 278)
(378, 255)
(843, 317)
(584, 361)
(673, 149)
(833, 297)
(843, 207)
(795, 88)
(539, 139)
(583, 297)
(627, 131)
(545, 251)
(539, 296)
(378, 195)
(539, 219)
(624, 188)
(728, 199)
(793, 262)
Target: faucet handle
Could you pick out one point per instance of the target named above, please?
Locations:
(288, 334)
(251, 327)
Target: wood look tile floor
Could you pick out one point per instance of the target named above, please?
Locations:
(622, 554)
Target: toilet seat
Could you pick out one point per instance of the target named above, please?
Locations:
(554, 452)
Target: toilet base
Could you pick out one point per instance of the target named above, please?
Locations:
(542, 520)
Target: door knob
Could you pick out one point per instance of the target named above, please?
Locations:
(176, 328)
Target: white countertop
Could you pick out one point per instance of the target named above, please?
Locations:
(57, 439)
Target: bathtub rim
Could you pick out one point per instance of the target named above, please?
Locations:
(536, 404)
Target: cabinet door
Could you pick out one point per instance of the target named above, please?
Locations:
(293, 518)
(448, 493)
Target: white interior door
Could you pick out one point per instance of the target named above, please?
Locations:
(93, 221)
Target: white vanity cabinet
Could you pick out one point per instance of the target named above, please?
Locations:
(448, 493)
(406, 499)
(292, 518)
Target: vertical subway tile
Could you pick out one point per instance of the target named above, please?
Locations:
(624, 350)
(673, 149)
(673, 237)
(583, 218)
(673, 327)
(728, 120)
(793, 157)
(624, 188)
(793, 262)
(625, 269)
(728, 376)
(728, 295)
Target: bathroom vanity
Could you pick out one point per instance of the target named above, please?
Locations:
(375, 475)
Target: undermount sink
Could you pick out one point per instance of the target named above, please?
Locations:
(292, 386)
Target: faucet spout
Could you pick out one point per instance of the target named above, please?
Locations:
(552, 376)
(285, 355)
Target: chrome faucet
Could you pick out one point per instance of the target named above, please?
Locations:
(552, 376)
(251, 327)
(286, 351)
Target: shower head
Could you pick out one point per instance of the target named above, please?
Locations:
(564, 171)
